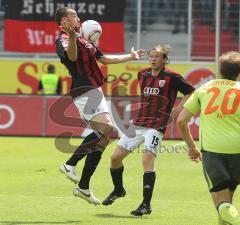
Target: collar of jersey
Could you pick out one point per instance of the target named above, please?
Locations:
(149, 72)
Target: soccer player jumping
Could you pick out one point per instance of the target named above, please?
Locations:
(159, 87)
(80, 58)
(219, 103)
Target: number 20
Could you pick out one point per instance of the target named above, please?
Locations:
(224, 106)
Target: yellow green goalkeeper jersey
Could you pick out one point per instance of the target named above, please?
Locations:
(219, 103)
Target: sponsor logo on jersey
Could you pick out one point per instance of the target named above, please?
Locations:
(161, 83)
(65, 43)
(151, 91)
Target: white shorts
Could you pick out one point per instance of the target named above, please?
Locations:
(136, 135)
(91, 104)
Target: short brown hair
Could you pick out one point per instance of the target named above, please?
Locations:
(230, 65)
(60, 13)
(164, 49)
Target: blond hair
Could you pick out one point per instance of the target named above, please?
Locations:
(163, 49)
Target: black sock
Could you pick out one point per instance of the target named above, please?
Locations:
(148, 185)
(90, 166)
(87, 145)
(117, 179)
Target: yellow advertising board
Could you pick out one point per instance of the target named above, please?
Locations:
(22, 76)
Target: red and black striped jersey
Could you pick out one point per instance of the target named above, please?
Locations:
(85, 71)
(158, 95)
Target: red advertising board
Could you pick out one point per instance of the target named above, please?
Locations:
(29, 26)
(21, 115)
(53, 116)
(63, 116)
(36, 36)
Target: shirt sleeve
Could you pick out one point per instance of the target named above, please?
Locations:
(62, 45)
(193, 103)
(99, 53)
(182, 85)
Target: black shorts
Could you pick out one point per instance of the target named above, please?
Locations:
(221, 170)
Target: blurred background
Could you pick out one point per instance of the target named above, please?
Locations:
(197, 30)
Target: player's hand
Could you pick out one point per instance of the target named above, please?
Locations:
(96, 42)
(68, 28)
(137, 54)
(194, 154)
(175, 111)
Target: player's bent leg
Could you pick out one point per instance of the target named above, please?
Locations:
(103, 125)
(82, 190)
(104, 141)
(126, 144)
(92, 107)
(90, 144)
(149, 177)
(94, 156)
(87, 146)
(117, 157)
(116, 171)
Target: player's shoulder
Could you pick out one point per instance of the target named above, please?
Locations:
(171, 72)
(145, 71)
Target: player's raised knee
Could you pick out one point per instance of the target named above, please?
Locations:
(106, 129)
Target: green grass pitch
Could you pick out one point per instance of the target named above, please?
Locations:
(32, 191)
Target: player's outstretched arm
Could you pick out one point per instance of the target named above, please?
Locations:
(182, 122)
(134, 55)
